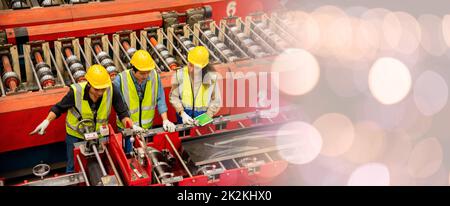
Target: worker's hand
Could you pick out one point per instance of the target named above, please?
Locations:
(40, 129)
(128, 122)
(137, 128)
(169, 126)
(187, 119)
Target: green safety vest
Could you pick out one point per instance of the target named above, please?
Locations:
(204, 93)
(82, 106)
(141, 113)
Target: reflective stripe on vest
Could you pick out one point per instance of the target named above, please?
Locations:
(203, 96)
(147, 110)
(73, 116)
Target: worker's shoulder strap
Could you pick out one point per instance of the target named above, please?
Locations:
(179, 75)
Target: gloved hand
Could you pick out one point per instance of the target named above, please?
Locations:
(40, 129)
(137, 128)
(187, 119)
(169, 126)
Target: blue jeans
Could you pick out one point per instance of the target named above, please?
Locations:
(70, 140)
(127, 145)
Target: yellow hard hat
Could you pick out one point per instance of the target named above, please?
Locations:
(199, 56)
(98, 77)
(142, 61)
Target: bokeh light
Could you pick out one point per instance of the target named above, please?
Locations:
(298, 71)
(433, 40)
(368, 144)
(305, 139)
(389, 80)
(371, 174)
(426, 158)
(430, 93)
(446, 29)
(337, 133)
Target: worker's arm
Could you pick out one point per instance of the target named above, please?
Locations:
(120, 107)
(161, 100)
(174, 98)
(216, 101)
(67, 102)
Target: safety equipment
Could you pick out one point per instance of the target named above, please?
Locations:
(98, 77)
(142, 60)
(199, 56)
(82, 110)
(187, 119)
(168, 126)
(137, 128)
(203, 97)
(141, 113)
(40, 129)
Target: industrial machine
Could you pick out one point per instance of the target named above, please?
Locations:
(46, 46)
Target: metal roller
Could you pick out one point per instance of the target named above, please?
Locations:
(75, 66)
(18, 4)
(48, 2)
(162, 169)
(106, 61)
(220, 45)
(253, 48)
(187, 42)
(9, 78)
(167, 57)
(43, 71)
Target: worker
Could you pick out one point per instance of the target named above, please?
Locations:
(198, 80)
(87, 100)
(142, 91)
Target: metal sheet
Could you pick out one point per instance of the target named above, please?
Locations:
(221, 147)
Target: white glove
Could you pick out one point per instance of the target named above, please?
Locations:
(187, 119)
(137, 128)
(168, 126)
(40, 129)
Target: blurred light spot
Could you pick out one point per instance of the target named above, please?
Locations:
(298, 71)
(324, 171)
(426, 158)
(305, 140)
(446, 29)
(307, 30)
(410, 33)
(368, 143)
(338, 82)
(376, 18)
(392, 30)
(432, 40)
(386, 116)
(327, 18)
(398, 149)
(337, 133)
(371, 174)
(430, 93)
(389, 80)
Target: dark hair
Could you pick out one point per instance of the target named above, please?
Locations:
(208, 68)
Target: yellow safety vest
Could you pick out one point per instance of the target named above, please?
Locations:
(82, 106)
(141, 115)
(204, 93)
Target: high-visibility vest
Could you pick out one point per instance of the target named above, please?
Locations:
(141, 113)
(83, 108)
(201, 102)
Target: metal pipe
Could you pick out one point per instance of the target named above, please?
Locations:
(67, 66)
(114, 72)
(34, 73)
(52, 58)
(178, 155)
(83, 171)
(9, 77)
(140, 43)
(113, 167)
(100, 163)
